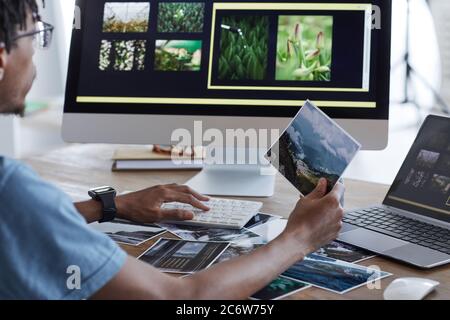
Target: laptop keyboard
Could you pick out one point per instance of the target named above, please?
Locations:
(394, 225)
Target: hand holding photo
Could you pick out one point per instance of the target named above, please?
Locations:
(313, 147)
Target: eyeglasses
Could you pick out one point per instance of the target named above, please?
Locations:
(42, 35)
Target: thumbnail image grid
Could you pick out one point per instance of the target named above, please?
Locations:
(181, 17)
(304, 48)
(122, 55)
(124, 17)
(440, 184)
(244, 47)
(178, 55)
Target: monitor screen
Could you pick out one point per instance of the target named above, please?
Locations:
(231, 58)
(423, 183)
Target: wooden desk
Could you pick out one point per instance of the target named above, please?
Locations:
(77, 168)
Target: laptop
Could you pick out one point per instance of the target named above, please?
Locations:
(413, 223)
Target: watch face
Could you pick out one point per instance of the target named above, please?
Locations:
(97, 192)
(101, 190)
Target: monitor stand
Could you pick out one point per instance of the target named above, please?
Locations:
(236, 180)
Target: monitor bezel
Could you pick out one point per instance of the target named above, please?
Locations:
(382, 84)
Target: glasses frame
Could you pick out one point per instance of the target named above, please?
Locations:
(44, 30)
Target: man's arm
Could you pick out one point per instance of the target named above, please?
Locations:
(145, 206)
(315, 221)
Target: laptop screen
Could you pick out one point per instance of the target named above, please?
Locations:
(423, 183)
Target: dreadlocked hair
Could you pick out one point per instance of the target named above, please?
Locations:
(13, 17)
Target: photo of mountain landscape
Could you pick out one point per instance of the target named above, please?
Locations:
(314, 147)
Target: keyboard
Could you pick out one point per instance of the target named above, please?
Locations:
(224, 213)
(391, 224)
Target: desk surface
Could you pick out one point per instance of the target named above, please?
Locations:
(77, 168)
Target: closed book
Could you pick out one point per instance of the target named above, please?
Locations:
(144, 158)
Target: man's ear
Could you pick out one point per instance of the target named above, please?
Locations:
(3, 60)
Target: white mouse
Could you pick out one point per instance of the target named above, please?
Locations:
(409, 289)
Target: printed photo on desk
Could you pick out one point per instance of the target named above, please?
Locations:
(180, 256)
(241, 248)
(260, 219)
(127, 233)
(280, 288)
(196, 233)
(344, 252)
(333, 275)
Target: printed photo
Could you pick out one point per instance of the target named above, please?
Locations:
(427, 159)
(333, 275)
(244, 47)
(313, 147)
(178, 55)
(270, 230)
(304, 48)
(195, 233)
(259, 219)
(127, 55)
(185, 257)
(280, 288)
(129, 234)
(240, 248)
(344, 252)
(180, 17)
(123, 17)
(440, 184)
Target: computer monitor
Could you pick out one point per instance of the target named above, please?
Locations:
(139, 70)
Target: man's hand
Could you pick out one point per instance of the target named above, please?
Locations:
(317, 218)
(145, 206)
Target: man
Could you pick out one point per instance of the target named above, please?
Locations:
(42, 233)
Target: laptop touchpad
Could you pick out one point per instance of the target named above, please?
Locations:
(371, 240)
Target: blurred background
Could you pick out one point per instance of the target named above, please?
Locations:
(428, 86)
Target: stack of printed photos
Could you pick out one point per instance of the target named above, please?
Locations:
(331, 268)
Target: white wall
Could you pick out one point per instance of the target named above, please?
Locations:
(52, 63)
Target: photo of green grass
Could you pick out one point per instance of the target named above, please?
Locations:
(178, 55)
(123, 17)
(304, 48)
(181, 17)
(122, 55)
(243, 47)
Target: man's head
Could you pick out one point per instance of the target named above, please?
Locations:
(17, 70)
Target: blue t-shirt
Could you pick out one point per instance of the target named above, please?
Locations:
(45, 244)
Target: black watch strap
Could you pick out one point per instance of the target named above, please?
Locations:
(107, 197)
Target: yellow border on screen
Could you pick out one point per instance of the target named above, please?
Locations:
(280, 6)
(225, 102)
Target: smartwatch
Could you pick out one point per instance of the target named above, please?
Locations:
(107, 196)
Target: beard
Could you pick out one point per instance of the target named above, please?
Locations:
(16, 110)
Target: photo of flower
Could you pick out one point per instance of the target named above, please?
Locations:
(304, 48)
(123, 17)
(178, 55)
(180, 17)
(122, 55)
